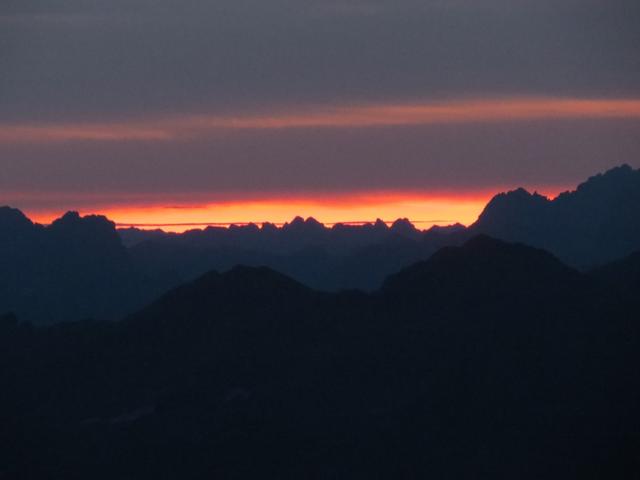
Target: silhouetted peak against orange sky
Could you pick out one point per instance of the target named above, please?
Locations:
(513, 204)
(585, 227)
(12, 218)
(380, 224)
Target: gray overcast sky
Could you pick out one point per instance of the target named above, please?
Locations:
(62, 58)
(70, 61)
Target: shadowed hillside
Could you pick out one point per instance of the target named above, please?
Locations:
(490, 359)
(72, 269)
(595, 224)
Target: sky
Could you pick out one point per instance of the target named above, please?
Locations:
(231, 111)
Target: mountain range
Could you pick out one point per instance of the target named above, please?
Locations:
(83, 267)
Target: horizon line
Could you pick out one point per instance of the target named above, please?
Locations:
(279, 224)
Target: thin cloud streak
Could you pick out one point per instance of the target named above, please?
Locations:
(185, 127)
(107, 132)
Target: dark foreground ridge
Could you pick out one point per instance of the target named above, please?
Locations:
(81, 267)
(488, 360)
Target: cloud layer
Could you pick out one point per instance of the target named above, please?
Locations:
(68, 59)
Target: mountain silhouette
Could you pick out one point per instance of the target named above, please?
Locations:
(74, 268)
(13, 222)
(80, 267)
(590, 226)
(485, 270)
(249, 373)
(594, 224)
(343, 256)
(239, 290)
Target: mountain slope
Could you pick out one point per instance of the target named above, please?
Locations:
(482, 268)
(248, 373)
(73, 269)
(595, 224)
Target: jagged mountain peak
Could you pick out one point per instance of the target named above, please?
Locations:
(404, 228)
(613, 182)
(72, 221)
(13, 219)
(380, 224)
(517, 198)
(591, 225)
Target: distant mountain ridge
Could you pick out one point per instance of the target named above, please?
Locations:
(83, 267)
(594, 224)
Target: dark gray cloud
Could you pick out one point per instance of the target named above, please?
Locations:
(73, 59)
(433, 158)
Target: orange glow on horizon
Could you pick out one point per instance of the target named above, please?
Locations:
(423, 210)
(184, 127)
